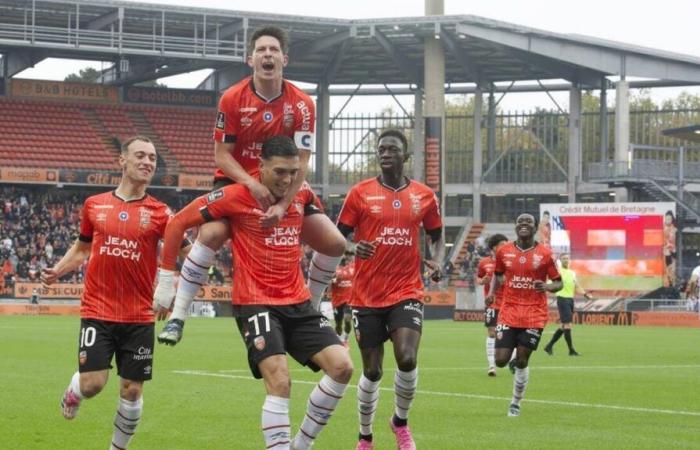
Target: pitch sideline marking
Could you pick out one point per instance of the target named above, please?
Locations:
(474, 396)
(537, 368)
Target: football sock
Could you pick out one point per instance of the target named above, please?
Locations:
(567, 337)
(404, 389)
(193, 275)
(321, 272)
(344, 336)
(275, 422)
(519, 384)
(320, 406)
(367, 400)
(490, 351)
(556, 337)
(125, 422)
(75, 385)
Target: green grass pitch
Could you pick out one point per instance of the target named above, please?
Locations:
(632, 388)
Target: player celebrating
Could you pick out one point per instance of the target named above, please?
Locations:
(254, 109)
(385, 214)
(341, 293)
(522, 267)
(484, 276)
(270, 300)
(119, 231)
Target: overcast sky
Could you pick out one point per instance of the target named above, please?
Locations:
(669, 25)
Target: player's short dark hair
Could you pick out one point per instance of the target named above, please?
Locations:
(275, 32)
(397, 134)
(139, 137)
(495, 239)
(279, 145)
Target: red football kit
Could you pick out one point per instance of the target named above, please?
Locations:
(123, 258)
(341, 289)
(523, 306)
(247, 119)
(486, 267)
(391, 218)
(266, 261)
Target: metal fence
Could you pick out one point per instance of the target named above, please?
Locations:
(527, 147)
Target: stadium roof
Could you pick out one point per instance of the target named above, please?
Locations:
(160, 40)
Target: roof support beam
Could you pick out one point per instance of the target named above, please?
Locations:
(587, 55)
(575, 75)
(332, 68)
(319, 44)
(468, 67)
(103, 21)
(19, 60)
(229, 29)
(407, 66)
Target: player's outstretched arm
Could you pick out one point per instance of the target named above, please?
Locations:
(75, 256)
(172, 243)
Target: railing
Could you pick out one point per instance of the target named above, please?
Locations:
(641, 169)
(113, 42)
(657, 305)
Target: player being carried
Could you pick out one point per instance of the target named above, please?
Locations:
(252, 110)
(484, 277)
(119, 232)
(385, 214)
(270, 301)
(522, 268)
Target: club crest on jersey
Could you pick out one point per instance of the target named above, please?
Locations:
(522, 260)
(214, 196)
(415, 203)
(267, 116)
(220, 120)
(396, 204)
(144, 216)
(82, 357)
(536, 260)
(123, 216)
(259, 343)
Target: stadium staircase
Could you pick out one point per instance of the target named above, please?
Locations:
(689, 207)
(470, 233)
(187, 134)
(99, 127)
(143, 127)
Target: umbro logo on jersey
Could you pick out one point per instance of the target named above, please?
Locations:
(123, 216)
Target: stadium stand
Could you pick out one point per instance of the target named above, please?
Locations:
(49, 135)
(88, 136)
